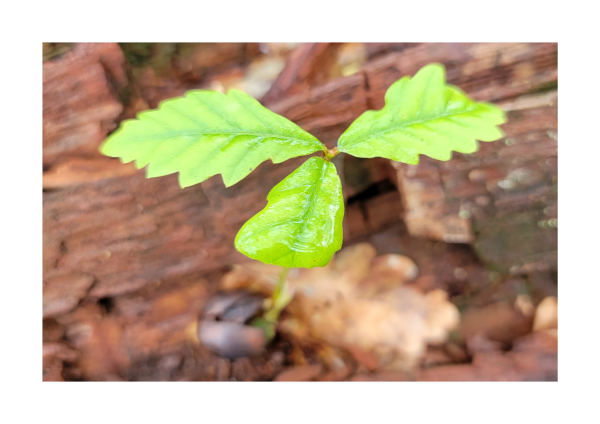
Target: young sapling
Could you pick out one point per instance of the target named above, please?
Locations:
(207, 133)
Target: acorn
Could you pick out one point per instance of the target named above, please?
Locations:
(222, 327)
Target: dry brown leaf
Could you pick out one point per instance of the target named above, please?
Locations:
(335, 305)
(546, 314)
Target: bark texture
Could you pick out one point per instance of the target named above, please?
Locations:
(129, 261)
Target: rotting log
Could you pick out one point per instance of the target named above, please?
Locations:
(117, 230)
(509, 225)
(307, 66)
(109, 233)
(80, 103)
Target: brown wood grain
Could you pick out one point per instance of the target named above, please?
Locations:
(146, 244)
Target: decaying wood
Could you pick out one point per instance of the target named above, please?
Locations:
(508, 73)
(489, 72)
(498, 198)
(306, 67)
(130, 231)
(98, 228)
(145, 245)
(196, 60)
(326, 111)
(80, 104)
(76, 171)
(377, 50)
(428, 213)
(137, 327)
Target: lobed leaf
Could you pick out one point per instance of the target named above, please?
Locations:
(422, 115)
(301, 226)
(207, 133)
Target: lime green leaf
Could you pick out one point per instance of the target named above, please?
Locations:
(208, 133)
(301, 226)
(422, 115)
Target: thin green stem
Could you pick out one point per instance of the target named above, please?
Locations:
(280, 298)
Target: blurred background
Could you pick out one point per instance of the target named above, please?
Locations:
(448, 270)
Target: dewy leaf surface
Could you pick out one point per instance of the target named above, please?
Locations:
(301, 226)
(208, 133)
(422, 115)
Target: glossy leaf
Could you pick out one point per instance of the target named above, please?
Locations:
(422, 115)
(301, 226)
(208, 133)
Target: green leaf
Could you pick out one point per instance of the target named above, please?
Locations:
(208, 133)
(301, 226)
(422, 115)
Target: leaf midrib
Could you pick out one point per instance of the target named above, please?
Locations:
(311, 202)
(404, 125)
(287, 222)
(305, 214)
(223, 133)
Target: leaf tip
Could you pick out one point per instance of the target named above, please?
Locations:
(102, 149)
(106, 147)
(432, 70)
